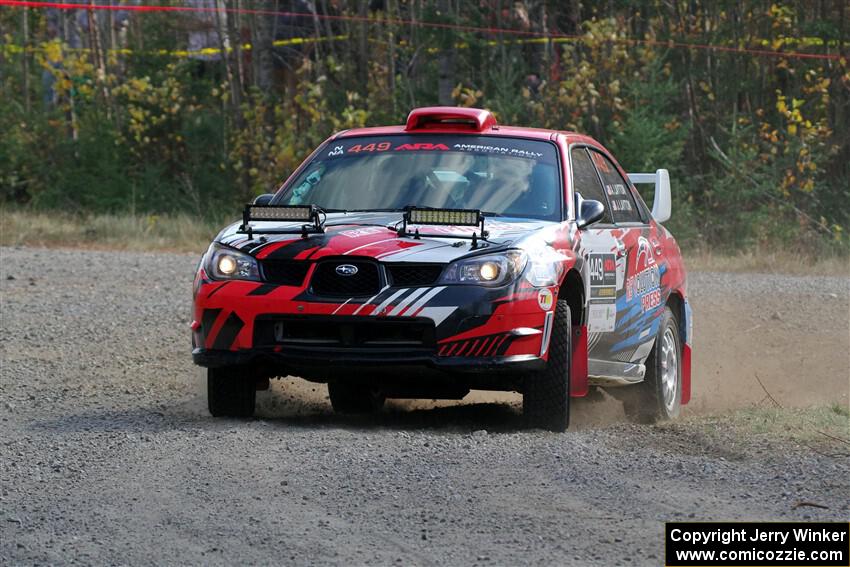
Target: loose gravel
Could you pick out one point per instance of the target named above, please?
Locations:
(108, 456)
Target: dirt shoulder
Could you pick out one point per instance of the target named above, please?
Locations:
(107, 453)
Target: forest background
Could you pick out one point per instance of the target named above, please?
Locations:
(182, 115)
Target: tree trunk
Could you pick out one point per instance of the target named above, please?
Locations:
(262, 39)
(26, 60)
(96, 45)
(446, 62)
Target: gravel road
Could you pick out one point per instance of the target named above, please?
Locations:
(107, 454)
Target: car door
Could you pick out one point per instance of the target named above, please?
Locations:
(604, 253)
(639, 300)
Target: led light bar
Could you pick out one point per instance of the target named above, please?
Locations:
(457, 217)
(280, 213)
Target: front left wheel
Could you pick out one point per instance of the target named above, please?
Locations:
(546, 393)
(230, 393)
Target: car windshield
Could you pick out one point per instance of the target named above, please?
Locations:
(511, 177)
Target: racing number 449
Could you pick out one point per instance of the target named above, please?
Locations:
(444, 255)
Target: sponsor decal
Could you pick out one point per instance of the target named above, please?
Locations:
(618, 205)
(645, 284)
(603, 293)
(374, 147)
(365, 231)
(644, 251)
(499, 150)
(337, 151)
(545, 299)
(603, 269)
(601, 317)
(422, 146)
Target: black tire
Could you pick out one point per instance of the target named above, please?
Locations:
(354, 398)
(231, 392)
(546, 393)
(652, 400)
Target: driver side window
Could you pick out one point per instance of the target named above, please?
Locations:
(586, 182)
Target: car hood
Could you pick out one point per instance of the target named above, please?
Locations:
(371, 235)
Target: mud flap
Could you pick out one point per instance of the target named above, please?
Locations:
(578, 362)
(686, 373)
(687, 332)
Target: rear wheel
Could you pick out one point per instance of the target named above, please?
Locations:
(659, 396)
(354, 398)
(231, 392)
(546, 393)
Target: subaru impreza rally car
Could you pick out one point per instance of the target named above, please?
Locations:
(449, 254)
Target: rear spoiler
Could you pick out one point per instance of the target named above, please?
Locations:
(662, 203)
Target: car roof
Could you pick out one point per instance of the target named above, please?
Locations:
(502, 131)
(462, 121)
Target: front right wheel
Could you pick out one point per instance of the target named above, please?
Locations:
(546, 393)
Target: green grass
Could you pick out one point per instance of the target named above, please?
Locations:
(820, 426)
(180, 233)
(770, 260)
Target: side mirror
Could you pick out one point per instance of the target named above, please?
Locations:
(662, 203)
(588, 211)
(263, 199)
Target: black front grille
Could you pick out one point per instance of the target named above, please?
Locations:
(411, 275)
(284, 272)
(344, 332)
(329, 282)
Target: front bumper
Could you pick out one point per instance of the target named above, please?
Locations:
(330, 359)
(451, 329)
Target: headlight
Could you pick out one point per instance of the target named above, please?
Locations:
(228, 264)
(493, 269)
(542, 274)
(544, 267)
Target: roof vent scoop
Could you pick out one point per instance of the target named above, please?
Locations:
(450, 117)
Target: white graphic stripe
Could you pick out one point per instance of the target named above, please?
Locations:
(423, 300)
(407, 300)
(436, 314)
(387, 301)
(370, 300)
(341, 306)
(368, 245)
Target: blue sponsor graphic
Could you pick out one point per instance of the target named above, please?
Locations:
(634, 319)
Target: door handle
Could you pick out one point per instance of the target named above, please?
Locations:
(621, 249)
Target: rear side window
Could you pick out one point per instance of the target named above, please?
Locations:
(586, 182)
(623, 206)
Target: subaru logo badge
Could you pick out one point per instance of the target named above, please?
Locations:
(346, 270)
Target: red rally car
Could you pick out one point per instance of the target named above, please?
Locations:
(445, 255)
